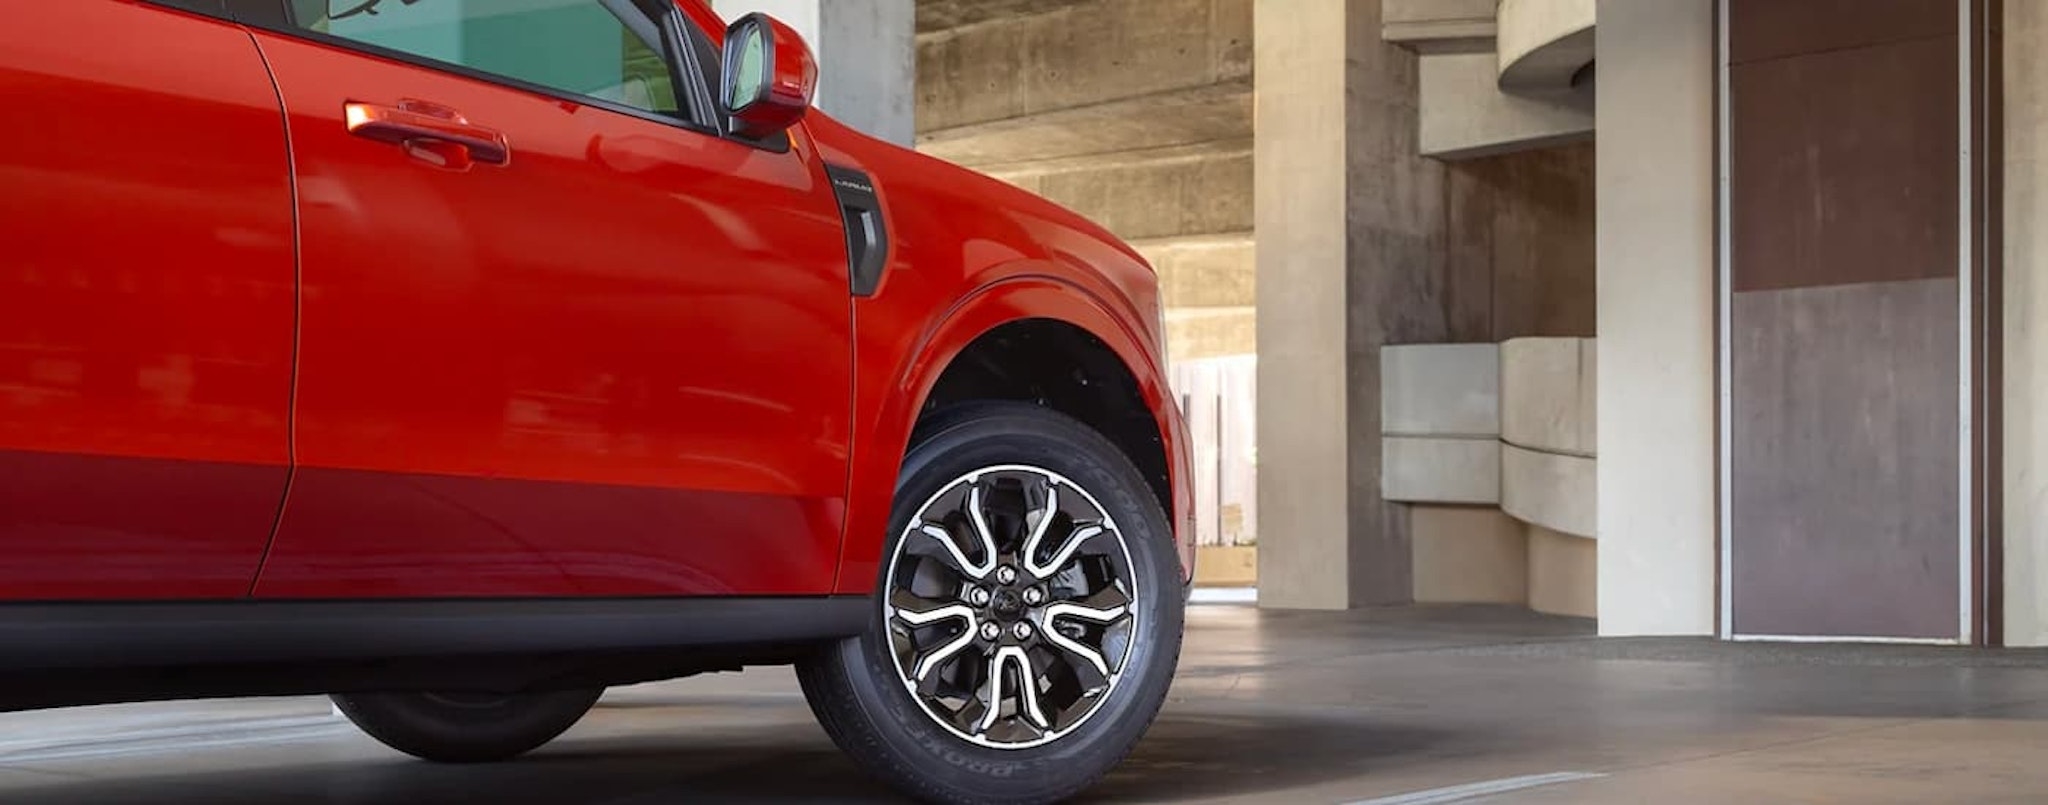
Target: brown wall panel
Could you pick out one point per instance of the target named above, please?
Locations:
(1844, 510)
(1845, 166)
(1845, 460)
(1770, 29)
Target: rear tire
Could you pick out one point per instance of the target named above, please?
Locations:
(1062, 600)
(465, 728)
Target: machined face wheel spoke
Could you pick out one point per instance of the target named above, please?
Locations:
(1051, 620)
(1059, 561)
(998, 647)
(927, 615)
(1036, 540)
(1025, 682)
(918, 610)
(1104, 615)
(934, 659)
(1094, 662)
(978, 515)
(951, 546)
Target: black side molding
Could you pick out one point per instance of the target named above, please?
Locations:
(867, 237)
(87, 635)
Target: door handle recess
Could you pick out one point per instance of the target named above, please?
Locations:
(414, 123)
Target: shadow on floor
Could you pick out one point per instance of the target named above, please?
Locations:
(1180, 756)
(1209, 756)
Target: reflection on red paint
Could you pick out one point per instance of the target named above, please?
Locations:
(380, 534)
(145, 305)
(625, 362)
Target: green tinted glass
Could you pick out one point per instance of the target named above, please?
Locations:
(575, 46)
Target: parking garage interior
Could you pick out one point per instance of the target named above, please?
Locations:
(1594, 400)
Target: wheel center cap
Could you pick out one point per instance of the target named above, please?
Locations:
(1007, 603)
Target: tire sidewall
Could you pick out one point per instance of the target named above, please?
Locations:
(1035, 438)
(428, 727)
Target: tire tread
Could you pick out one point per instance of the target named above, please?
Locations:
(828, 678)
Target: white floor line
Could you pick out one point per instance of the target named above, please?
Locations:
(1460, 793)
(1224, 595)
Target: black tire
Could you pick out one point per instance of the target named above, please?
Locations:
(464, 728)
(861, 701)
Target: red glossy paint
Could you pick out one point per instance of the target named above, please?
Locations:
(145, 305)
(396, 535)
(969, 254)
(977, 253)
(621, 361)
(626, 303)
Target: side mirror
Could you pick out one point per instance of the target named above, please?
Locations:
(769, 76)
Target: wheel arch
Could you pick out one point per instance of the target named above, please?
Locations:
(1095, 363)
(1056, 364)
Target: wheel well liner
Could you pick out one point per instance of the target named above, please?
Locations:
(1063, 367)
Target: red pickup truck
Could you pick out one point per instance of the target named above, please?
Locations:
(462, 358)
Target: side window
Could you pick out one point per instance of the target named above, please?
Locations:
(610, 50)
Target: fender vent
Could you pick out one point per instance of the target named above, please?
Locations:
(867, 238)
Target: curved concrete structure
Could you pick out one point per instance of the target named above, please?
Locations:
(1547, 394)
(1468, 425)
(1439, 26)
(1548, 489)
(1478, 424)
(1543, 44)
(1497, 75)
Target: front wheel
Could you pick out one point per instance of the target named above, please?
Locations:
(1028, 617)
(467, 728)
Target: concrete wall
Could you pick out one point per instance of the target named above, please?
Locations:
(1440, 25)
(1656, 269)
(1521, 244)
(1563, 572)
(1468, 426)
(1469, 555)
(1498, 75)
(1135, 113)
(1440, 423)
(1465, 114)
(2026, 324)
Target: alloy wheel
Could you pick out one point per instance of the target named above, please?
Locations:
(1009, 606)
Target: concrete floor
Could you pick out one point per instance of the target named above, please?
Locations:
(1295, 707)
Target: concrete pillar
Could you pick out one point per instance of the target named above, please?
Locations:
(1656, 268)
(867, 58)
(2026, 324)
(1349, 222)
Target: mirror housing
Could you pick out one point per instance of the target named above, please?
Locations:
(769, 77)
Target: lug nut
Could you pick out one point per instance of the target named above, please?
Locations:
(1022, 631)
(977, 596)
(990, 631)
(1034, 596)
(1006, 574)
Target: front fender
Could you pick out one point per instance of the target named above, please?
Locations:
(890, 412)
